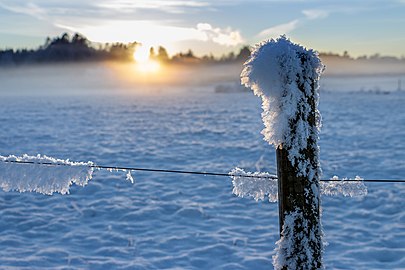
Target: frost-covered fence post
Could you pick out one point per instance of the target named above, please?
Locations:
(285, 75)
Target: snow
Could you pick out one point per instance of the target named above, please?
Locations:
(277, 73)
(265, 185)
(45, 179)
(190, 221)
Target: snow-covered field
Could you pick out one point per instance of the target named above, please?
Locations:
(168, 221)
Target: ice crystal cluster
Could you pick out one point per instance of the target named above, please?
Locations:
(298, 238)
(285, 76)
(45, 179)
(257, 185)
(46, 175)
(346, 187)
(263, 185)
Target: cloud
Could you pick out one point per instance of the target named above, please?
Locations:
(278, 30)
(313, 14)
(168, 6)
(29, 8)
(286, 28)
(225, 37)
(150, 32)
(90, 20)
(128, 31)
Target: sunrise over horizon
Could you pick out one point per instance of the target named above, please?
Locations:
(217, 27)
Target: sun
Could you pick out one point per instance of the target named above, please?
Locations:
(143, 61)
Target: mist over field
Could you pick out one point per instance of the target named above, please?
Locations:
(124, 78)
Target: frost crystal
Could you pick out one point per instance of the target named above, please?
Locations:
(45, 179)
(346, 188)
(297, 237)
(258, 188)
(39, 175)
(285, 75)
(130, 177)
(266, 185)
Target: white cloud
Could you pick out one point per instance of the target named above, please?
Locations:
(278, 30)
(286, 28)
(128, 31)
(225, 37)
(169, 6)
(29, 8)
(313, 14)
(151, 33)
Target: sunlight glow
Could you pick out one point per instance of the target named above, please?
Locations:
(141, 54)
(150, 66)
(143, 61)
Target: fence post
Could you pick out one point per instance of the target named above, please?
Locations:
(285, 75)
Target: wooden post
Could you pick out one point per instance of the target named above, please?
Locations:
(300, 194)
(285, 75)
(291, 188)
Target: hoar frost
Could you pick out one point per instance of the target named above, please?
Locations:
(296, 229)
(346, 187)
(276, 73)
(257, 185)
(129, 176)
(45, 179)
(45, 174)
(262, 185)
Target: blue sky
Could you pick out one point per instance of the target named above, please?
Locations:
(217, 26)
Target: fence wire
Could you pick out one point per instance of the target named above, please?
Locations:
(273, 176)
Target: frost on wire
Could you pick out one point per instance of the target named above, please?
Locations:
(257, 185)
(45, 179)
(262, 186)
(353, 188)
(57, 175)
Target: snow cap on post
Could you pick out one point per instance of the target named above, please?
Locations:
(274, 71)
(286, 75)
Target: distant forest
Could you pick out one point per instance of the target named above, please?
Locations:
(77, 48)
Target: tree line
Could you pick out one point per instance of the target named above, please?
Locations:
(77, 48)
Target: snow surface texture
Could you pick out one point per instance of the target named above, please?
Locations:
(259, 188)
(275, 73)
(172, 221)
(46, 178)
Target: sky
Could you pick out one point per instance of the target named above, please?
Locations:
(211, 26)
